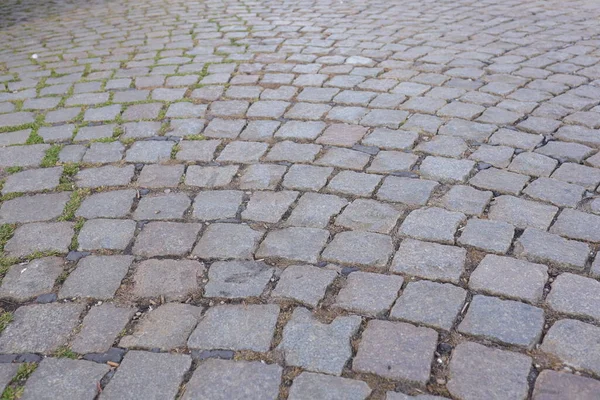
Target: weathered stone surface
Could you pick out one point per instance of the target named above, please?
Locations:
(40, 237)
(522, 213)
(575, 295)
(33, 180)
(228, 241)
(113, 204)
(318, 347)
(7, 372)
(109, 175)
(396, 350)
(162, 206)
(166, 328)
(369, 294)
(210, 177)
(577, 225)
(362, 248)
(553, 385)
(314, 210)
(304, 283)
(486, 235)
(504, 373)
(467, 200)
(310, 386)
(368, 215)
(40, 207)
(237, 279)
(236, 327)
(22, 156)
(173, 279)
(217, 204)
(96, 277)
(56, 376)
(295, 243)
(166, 239)
(109, 234)
(434, 224)
(446, 170)
(268, 206)
(23, 282)
(430, 260)
(154, 176)
(145, 375)
(100, 328)
(40, 328)
(225, 380)
(542, 247)
(414, 192)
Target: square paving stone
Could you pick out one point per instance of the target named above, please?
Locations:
(109, 234)
(72, 153)
(94, 132)
(362, 248)
(486, 235)
(298, 244)
(262, 176)
(165, 328)
(267, 109)
(498, 156)
(429, 303)
(113, 204)
(141, 129)
(226, 379)
(575, 344)
(145, 375)
(344, 158)
(237, 279)
(306, 177)
(446, 170)
(509, 277)
(41, 207)
(533, 164)
(354, 183)
(369, 294)
(236, 327)
(224, 128)
(369, 215)
(243, 152)
(268, 206)
(578, 174)
(155, 176)
(217, 204)
(301, 130)
(315, 210)
(467, 200)
(107, 113)
(396, 350)
(543, 247)
(40, 237)
(304, 283)
(185, 127)
(138, 112)
(430, 260)
(151, 151)
(162, 206)
(575, 295)
(414, 192)
(226, 241)
(56, 133)
(384, 118)
(96, 277)
(40, 328)
(210, 177)
(109, 175)
(33, 180)
(100, 328)
(559, 193)
(389, 162)
(166, 239)
(12, 138)
(505, 373)
(391, 139)
(260, 130)
(197, 150)
(435, 224)
(522, 213)
(101, 153)
(310, 386)
(499, 181)
(553, 385)
(56, 376)
(315, 346)
(342, 135)
(23, 282)
(445, 146)
(577, 225)
(23, 156)
(173, 279)
(186, 110)
(507, 321)
(293, 152)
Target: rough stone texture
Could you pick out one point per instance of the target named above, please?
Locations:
(429, 260)
(315, 210)
(226, 379)
(210, 177)
(414, 192)
(96, 277)
(362, 248)
(506, 321)
(434, 224)
(542, 247)
(217, 204)
(114, 204)
(100, 328)
(162, 206)
(304, 283)
(504, 373)
(522, 213)
(368, 215)
(145, 375)
(109, 234)
(165, 328)
(40, 237)
(396, 350)
(40, 328)
(489, 236)
(236, 327)
(237, 279)
(575, 295)
(553, 385)
(430, 303)
(310, 386)
(297, 244)
(268, 206)
(7, 372)
(574, 343)
(318, 347)
(23, 282)
(33, 180)
(577, 225)
(173, 279)
(228, 241)
(56, 376)
(369, 294)
(166, 239)
(467, 200)
(109, 175)
(41, 207)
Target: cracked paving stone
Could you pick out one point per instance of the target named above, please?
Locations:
(304, 283)
(100, 328)
(40, 237)
(227, 379)
(310, 386)
(96, 277)
(23, 282)
(56, 376)
(294, 243)
(145, 375)
(165, 328)
(396, 350)
(315, 346)
(228, 241)
(369, 294)
(361, 248)
(40, 328)
(37, 208)
(505, 373)
(237, 279)
(173, 279)
(236, 327)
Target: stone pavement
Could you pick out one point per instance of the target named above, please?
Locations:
(300, 199)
